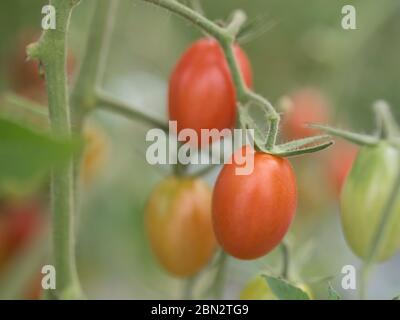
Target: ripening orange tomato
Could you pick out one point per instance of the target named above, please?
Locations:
(306, 106)
(252, 213)
(95, 154)
(201, 90)
(178, 225)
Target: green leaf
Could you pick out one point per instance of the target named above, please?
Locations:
(284, 290)
(26, 155)
(332, 293)
(397, 297)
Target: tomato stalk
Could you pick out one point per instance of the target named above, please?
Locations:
(285, 260)
(220, 275)
(83, 96)
(387, 126)
(110, 103)
(51, 51)
(66, 120)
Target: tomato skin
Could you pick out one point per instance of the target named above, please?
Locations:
(364, 196)
(22, 221)
(178, 225)
(307, 106)
(258, 289)
(201, 90)
(252, 213)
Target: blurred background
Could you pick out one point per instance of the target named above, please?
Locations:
(304, 54)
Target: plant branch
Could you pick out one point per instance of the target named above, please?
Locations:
(51, 51)
(387, 125)
(108, 102)
(226, 37)
(83, 96)
(285, 260)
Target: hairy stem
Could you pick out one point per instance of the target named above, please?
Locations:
(51, 51)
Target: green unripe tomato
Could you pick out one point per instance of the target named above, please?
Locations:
(363, 198)
(258, 289)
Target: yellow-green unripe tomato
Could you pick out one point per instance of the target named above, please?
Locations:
(363, 199)
(258, 289)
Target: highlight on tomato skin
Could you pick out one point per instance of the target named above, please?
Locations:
(303, 107)
(178, 225)
(201, 90)
(252, 213)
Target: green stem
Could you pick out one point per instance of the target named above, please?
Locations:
(51, 50)
(220, 276)
(226, 37)
(108, 102)
(83, 97)
(187, 292)
(387, 126)
(364, 277)
(285, 260)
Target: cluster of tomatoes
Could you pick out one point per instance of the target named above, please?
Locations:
(247, 215)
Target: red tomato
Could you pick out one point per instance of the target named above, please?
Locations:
(340, 162)
(34, 290)
(21, 221)
(179, 227)
(307, 106)
(201, 90)
(252, 213)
